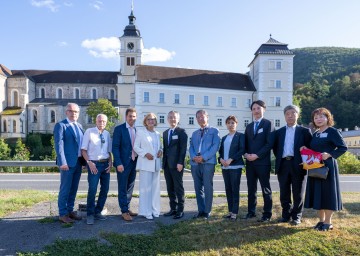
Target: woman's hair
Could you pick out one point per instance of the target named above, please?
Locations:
(152, 115)
(325, 112)
(231, 118)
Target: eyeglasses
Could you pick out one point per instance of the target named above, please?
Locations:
(102, 138)
(73, 111)
(151, 119)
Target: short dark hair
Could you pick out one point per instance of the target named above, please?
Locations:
(258, 102)
(130, 110)
(203, 111)
(229, 118)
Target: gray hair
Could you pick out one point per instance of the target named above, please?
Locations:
(100, 115)
(294, 107)
(72, 104)
(174, 112)
(202, 111)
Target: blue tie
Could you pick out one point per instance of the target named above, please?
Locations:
(170, 136)
(77, 133)
(256, 126)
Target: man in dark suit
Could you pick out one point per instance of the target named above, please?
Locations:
(68, 135)
(258, 165)
(174, 151)
(287, 142)
(125, 162)
(204, 145)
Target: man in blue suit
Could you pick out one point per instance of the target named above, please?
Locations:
(287, 142)
(204, 144)
(125, 162)
(68, 138)
(258, 165)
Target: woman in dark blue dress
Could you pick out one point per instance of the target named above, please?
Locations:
(324, 195)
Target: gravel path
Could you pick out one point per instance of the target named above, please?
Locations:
(21, 231)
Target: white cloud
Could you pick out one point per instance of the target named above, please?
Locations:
(109, 47)
(63, 44)
(97, 5)
(45, 3)
(68, 4)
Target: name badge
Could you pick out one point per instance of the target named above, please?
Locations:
(174, 137)
(323, 135)
(260, 130)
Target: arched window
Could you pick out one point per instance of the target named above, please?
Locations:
(14, 98)
(42, 93)
(14, 126)
(77, 93)
(94, 94)
(112, 94)
(59, 93)
(4, 126)
(34, 116)
(52, 116)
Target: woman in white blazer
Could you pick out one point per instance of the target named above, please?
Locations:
(149, 149)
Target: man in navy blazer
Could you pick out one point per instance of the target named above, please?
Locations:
(125, 162)
(68, 135)
(287, 142)
(258, 165)
(204, 145)
(174, 151)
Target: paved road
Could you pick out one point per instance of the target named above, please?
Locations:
(50, 182)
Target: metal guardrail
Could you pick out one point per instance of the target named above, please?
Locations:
(21, 164)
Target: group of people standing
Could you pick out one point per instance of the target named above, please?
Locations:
(135, 149)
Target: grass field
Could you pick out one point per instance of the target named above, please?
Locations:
(222, 237)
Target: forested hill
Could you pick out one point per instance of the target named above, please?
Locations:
(330, 63)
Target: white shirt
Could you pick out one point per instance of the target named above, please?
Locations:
(96, 150)
(289, 141)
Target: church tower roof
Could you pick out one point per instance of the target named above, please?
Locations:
(131, 29)
(273, 46)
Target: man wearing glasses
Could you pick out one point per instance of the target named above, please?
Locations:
(96, 148)
(68, 135)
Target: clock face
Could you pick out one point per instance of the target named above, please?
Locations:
(130, 45)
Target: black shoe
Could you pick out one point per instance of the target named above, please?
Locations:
(295, 222)
(264, 219)
(206, 216)
(250, 215)
(318, 225)
(198, 215)
(170, 213)
(283, 220)
(326, 227)
(178, 215)
(227, 216)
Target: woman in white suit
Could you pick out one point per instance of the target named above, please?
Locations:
(148, 147)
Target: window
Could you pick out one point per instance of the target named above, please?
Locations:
(277, 101)
(191, 99)
(248, 103)
(42, 93)
(4, 126)
(88, 119)
(161, 97)
(112, 94)
(233, 102)
(275, 65)
(59, 93)
(177, 98)
(277, 122)
(14, 98)
(130, 61)
(206, 100)
(94, 94)
(34, 116)
(14, 126)
(77, 93)
(161, 119)
(52, 116)
(146, 97)
(219, 101)
(219, 122)
(278, 65)
(246, 122)
(191, 120)
(278, 84)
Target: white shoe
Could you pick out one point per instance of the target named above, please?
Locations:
(156, 215)
(150, 217)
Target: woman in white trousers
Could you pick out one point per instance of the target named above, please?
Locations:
(148, 147)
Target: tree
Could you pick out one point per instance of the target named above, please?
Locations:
(4, 150)
(21, 152)
(103, 106)
(348, 163)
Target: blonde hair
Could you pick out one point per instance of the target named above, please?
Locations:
(147, 116)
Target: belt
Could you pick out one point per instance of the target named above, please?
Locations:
(288, 158)
(100, 161)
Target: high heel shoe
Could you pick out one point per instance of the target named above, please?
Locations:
(318, 225)
(326, 227)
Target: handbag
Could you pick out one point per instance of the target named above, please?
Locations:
(320, 173)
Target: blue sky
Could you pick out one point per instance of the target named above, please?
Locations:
(220, 35)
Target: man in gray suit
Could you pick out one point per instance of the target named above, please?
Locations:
(204, 144)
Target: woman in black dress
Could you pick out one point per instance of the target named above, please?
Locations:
(324, 195)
